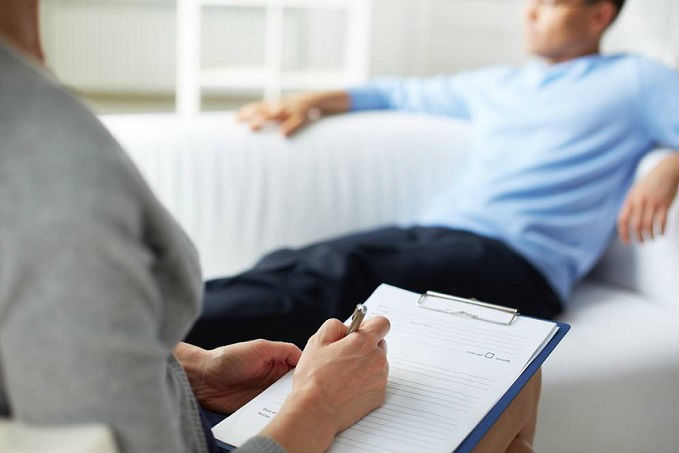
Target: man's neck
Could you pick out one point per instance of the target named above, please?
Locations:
(593, 50)
(19, 26)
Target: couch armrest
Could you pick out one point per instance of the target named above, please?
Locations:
(240, 194)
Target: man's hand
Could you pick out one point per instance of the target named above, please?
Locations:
(337, 381)
(645, 208)
(293, 112)
(226, 378)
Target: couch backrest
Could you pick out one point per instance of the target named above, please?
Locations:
(240, 194)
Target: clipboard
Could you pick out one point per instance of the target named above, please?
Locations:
(506, 316)
(481, 312)
(491, 417)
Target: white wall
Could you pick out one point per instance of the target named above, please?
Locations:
(111, 45)
(650, 27)
(128, 45)
(436, 36)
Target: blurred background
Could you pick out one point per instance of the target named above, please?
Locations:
(160, 55)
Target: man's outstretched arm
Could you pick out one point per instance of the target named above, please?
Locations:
(443, 95)
(644, 211)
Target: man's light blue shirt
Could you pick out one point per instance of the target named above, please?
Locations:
(554, 153)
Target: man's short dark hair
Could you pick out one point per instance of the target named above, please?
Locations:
(619, 4)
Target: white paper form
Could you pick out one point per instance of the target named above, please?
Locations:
(446, 373)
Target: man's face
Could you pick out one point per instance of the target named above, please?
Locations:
(561, 29)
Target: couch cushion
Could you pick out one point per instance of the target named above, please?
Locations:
(616, 370)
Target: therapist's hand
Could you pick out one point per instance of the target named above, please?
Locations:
(338, 380)
(644, 212)
(224, 379)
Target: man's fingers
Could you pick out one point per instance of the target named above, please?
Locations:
(623, 223)
(290, 125)
(248, 111)
(256, 123)
(635, 221)
(377, 326)
(242, 114)
(276, 112)
(259, 114)
(290, 115)
(662, 219)
(647, 220)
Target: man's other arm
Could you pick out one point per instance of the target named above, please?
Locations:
(644, 212)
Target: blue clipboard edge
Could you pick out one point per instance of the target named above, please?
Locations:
(224, 446)
(491, 417)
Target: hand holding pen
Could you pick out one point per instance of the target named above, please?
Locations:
(338, 379)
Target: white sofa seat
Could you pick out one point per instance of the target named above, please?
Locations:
(612, 385)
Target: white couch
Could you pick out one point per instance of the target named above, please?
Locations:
(612, 385)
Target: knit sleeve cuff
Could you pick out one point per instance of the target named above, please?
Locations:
(260, 444)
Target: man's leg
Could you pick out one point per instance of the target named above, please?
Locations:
(289, 293)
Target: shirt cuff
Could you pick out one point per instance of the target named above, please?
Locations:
(366, 97)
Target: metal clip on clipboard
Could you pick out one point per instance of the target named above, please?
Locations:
(468, 308)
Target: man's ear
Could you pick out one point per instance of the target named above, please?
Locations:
(603, 15)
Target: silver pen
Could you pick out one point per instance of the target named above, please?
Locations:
(357, 318)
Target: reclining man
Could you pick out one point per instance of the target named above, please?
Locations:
(557, 142)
